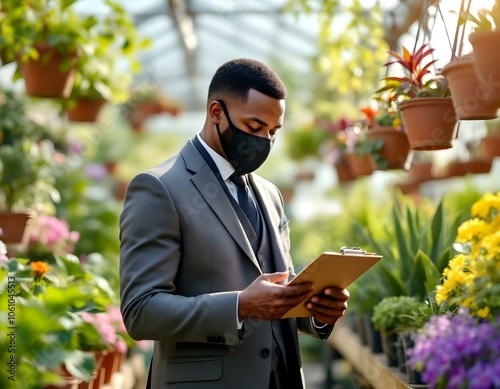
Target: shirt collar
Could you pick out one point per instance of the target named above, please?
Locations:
(225, 168)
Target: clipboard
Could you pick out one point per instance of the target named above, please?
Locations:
(338, 269)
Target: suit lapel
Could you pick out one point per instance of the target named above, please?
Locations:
(208, 185)
(272, 220)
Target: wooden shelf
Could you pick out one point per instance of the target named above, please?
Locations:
(371, 366)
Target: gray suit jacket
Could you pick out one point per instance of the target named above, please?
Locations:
(184, 257)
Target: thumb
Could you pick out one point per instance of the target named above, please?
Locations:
(277, 277)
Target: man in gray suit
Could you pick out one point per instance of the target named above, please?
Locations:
(205, 251)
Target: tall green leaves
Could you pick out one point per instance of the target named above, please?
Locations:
(416, 248)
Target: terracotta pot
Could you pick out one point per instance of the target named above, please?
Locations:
(421, 172)
(454, 169)
(44, 77)
(490, 146)
(476, 166)
(396, 146)
(69, 382)
(344, 173)
(13, 225)
(110, 166)
(409, 187)
(486, 60)
(429, 122)
(96, 381)
(111, 364)
(360, 165)
(466, 91)
(86, 110)
(148, 108)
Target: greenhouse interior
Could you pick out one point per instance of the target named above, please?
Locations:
(129, 258)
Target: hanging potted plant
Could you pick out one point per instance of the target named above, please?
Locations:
(468, 93)
(49, 38)
(424, 102)
(485, 41)
(103, 77)
(385, 125)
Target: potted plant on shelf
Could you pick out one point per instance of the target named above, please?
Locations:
(145, 102)
(424, 102)
(363, 154)
(485, 41)
(490, 144)
(333, 148)
(49, 37)
(392, 316)
(26, 178)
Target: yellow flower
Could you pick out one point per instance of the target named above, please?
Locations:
(472, 230)
(483, 312)
(39, 269)
(483, 206)
(396, 123)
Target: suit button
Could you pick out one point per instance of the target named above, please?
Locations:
(264, 353)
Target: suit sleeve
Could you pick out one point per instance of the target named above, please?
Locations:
(150, 252)
(303, 324)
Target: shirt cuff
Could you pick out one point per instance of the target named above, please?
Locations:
(316, 325)
(239, 322)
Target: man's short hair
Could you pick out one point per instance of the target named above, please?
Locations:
(235, 78)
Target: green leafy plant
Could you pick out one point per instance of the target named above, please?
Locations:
(305, 142)
(27, 174)
(105, 71)
(394, 314)
(416, 248)
(416, 81)
(50, 305)
(27, 23)
(486, 20)
(365, 146)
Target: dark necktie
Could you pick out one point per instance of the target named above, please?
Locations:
(246, 202)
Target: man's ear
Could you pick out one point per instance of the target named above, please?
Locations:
(215, 111)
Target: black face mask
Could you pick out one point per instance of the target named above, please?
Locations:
(244, 151)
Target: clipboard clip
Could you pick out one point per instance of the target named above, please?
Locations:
(352, 250)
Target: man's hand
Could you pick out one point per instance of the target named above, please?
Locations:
(266, 299)
(329, 306)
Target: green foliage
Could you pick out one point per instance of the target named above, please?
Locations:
(416, 248)
(50, 330)
(114, 43)
(26, 23)
(27, 174)
(394, 313)
(305, 142)
(486, 20)
(372, 147)
(352, 48)
(416, 81)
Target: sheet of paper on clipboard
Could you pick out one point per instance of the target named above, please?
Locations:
(338, 269)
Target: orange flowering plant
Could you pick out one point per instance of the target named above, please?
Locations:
(49, 304)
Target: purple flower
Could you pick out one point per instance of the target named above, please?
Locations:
(96, 171)
(458, 350)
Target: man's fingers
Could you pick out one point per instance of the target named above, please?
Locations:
(277, 277)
